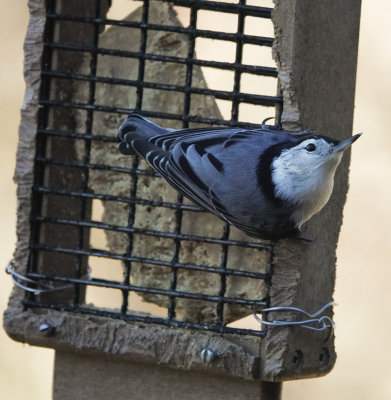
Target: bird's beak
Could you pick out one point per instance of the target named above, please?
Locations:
(342, 146)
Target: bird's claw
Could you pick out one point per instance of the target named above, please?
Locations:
(306, 240)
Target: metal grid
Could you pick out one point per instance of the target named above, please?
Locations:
(77, 217)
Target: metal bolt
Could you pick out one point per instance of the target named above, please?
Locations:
(207, 356)
(46, 329)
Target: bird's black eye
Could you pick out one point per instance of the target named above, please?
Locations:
(310, 147)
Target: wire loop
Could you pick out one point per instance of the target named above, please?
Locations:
(18, 279)
(314, 322)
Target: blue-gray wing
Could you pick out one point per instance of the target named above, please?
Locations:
(190, 160)
(206, 166)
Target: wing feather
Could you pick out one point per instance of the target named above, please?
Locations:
(186, 156)
(208, 137)
(180, 174)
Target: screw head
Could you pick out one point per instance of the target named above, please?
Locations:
(46, 329)
(207, 356)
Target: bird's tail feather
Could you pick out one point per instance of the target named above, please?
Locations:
(137, 127)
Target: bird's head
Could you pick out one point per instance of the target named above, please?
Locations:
(314, 152)
(304, 172)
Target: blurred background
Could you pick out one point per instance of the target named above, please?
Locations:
(363, 290)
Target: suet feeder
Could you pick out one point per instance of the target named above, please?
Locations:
(115, 270)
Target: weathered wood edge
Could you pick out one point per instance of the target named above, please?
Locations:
(176, 348)
(24, 171)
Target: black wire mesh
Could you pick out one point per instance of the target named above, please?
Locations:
(62, 199)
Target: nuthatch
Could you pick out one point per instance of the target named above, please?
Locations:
(266, 182)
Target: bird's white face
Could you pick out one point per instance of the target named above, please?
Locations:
(304, 174)
(308, 155)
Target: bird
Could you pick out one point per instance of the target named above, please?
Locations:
(266, 182)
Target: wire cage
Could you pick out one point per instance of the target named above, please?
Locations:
(65, 202)
(105, 244)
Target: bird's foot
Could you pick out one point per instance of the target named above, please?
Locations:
(299, 236)
(306, 239)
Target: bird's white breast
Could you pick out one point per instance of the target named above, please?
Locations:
(308, 189)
